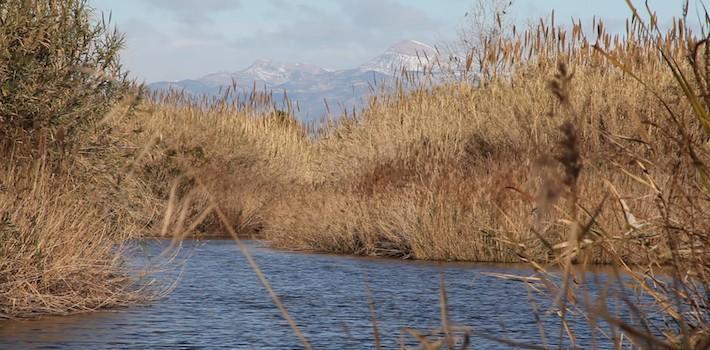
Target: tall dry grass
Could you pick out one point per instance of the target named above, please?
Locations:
(247, 159)
(459, 171)
(455, 172)
(61, 253)
(68, 225)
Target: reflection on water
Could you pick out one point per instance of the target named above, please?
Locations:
(219, 303)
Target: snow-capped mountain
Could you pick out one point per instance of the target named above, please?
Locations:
(410, 55)
(309, 86)
(278, 73)
(266, 72)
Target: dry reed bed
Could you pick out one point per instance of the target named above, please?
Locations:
(69, 221)
(62, 249)
(234, 154)
(460, 171)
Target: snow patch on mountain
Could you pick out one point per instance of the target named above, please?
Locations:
(263, 72)
(409, 55)
(275, 73)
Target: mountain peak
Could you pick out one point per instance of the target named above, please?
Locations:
(410, 55)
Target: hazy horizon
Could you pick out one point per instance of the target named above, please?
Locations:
(170, 40)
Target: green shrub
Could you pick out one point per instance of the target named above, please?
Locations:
(59, 70)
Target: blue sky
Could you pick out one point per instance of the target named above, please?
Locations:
(178, 39)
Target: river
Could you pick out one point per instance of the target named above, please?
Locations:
(218, 303)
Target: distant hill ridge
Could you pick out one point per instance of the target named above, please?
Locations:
(311, 85)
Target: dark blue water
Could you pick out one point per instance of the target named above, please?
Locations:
(219, 304)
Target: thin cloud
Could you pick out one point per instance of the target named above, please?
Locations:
(195, 13)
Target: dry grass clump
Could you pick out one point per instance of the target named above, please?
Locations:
(66, 224)
(62, 248)
(247, 160)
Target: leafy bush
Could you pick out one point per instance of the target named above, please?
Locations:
(59, 70)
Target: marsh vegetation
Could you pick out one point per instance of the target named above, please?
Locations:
(546, 145)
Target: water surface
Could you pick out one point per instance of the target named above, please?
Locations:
(219, 304)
